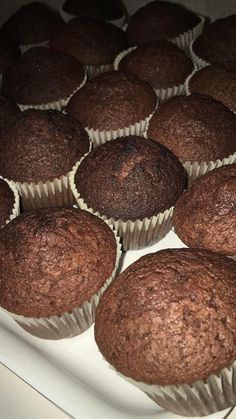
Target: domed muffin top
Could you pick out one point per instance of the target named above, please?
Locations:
(53, 260)
(98, 9)
(9, 112)
(41, 146)
(170, 317)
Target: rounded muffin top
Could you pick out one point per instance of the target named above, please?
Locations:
(194, 128)
(42, 75)
(9, 52)
(7, 201)
(9, 112)
(53, 260)
(160, 63)
(217, 42)
(159, 19)
(32, 23)
(98, 9)
(112, 100)
(130, 178)
(216, 81)
(92, 42)
(41, 146)
(170, 317)
(205, 214)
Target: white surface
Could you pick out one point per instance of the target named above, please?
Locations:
(72, 372)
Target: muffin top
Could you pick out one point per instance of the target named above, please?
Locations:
(91, 41)
(195, 127)
(130, 178)
(9, 51)
(98, 9)
(32, 23)
(41, 146)
(217, 43)
(112, 100)
(41, 75)
(205, 215)
(159, 19)
(9, 111)
(216, 81)
(160, 63)
(7, 201)
(170, 317)
(53, 260)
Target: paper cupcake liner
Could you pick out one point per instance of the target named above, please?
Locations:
(45, 194)
(101, 137)
(201, 398)
(71, 323)
(16, 207)
(26, 47)
(200, 62)
(135, 234)
(196, 169)
(162, 93)
(184, 40)
(95, 70)
(196, 69)
(55, 105)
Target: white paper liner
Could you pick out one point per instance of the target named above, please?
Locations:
(26, 47)
(196, 169)
(162, 93)
(200, 62)
(16, 207)
(135, 234)
(101, 137)
(55, 105)
(187, 89)
(201, 398)
(184, 40)
(95, 70)
(72, 323)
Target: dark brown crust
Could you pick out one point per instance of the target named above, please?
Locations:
(194, 127)
(130, 178)
(98, 9)
(92, 42)
(112, 100)
(205, 215)
(160, 63)
(159, 19)
(32, 23)
(9, 112)
(216, 81)
(6, 202)
(41, 76)
(9, 52)
(170, 317)
(41, 146)
(217, 43)
(53, 260)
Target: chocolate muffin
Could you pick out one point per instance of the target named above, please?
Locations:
(42, 146)
(42, 76)
(95, 42)
(54, 261)
(9, 112)
(33, 23)
(194, 128)
(215, 81)
(97, 9)
(169, 321)
(9, 52)
(160, 63)
(112, 101)
(217, 43)
(9, 202)
(205, 214)
(159, 19)
(129, 179)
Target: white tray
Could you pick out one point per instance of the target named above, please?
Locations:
(72, 372)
